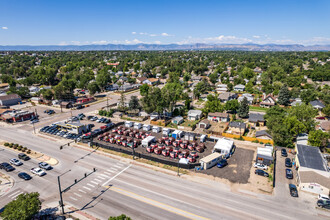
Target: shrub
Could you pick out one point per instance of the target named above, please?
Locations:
(24, 148)
(19, 147)
(16, 145)
(255, 141)
(28, 151)
(6, 144)
(261, 142)
(11, 145)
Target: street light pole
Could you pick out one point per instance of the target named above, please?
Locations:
(34, 128)
(60, 190)
(178, 167)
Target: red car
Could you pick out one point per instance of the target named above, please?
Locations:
(168, 142)
(184, 145)
(154, 146)
(114, 130)
(200, 149)
(165, 153)
(320, 118)
(176, 143)
(169, 148)
(191, 159)
(191, 147)
(177, 150)
(158, 151)
(150, 149)
(161, 140)
(162, 147)
(173, 155)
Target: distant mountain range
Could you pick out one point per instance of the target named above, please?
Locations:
(237, 47)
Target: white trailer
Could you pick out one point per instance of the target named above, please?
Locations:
(155, 129)
(147, 141)
(210, 160)
(146, 127)
(166, 132)
(137, 125)
(128, 124)
(202, 138)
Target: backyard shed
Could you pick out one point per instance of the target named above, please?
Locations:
(177, 120)
(155, 129)
(210, 160)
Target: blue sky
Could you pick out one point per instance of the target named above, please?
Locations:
(59, 22)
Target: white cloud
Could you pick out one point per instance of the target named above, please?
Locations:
(256, 36)
(75, 42)
(153, 35)
(4, 28)
(166, 35)
(63, 43)
(221, 39)
(100, 42)
(135, 41)
(133, 32)
(317, 40)
(157, 42)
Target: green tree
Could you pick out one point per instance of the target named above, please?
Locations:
(144, 89)
(294, 126)
(93, 88)
(120, 217)
(232, 105)
(102, 79)
(243, 110)
(24, 207)
(213, 77)
(318, 138)
(284, 96)
(305, 114)
(134, 103)
(213, 104)
(326, 110)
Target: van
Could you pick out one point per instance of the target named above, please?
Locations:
(323, 197)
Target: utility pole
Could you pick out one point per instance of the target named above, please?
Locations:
(107, 103)
(178, 167)
(34, 128)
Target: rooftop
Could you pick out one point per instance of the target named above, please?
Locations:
(310, 157)
(256, 117)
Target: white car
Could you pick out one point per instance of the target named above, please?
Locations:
(323, 197)
(16, 162)
(38, 171)
(260, 166)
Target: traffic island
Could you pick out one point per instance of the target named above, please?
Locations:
(6, 183)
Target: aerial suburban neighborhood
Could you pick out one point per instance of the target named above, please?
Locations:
(136, 130)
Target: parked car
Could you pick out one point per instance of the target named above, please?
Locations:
(89, 117)
(6, 166)
(45, 166)
(222, 163)
(323, 203)
(293, 190)
(260, 166)
(261, 173)
(323, 197)
(288, 162)
(23, 156)
(38, 171)
(34, 121)
(24, 176)
(15, 162)
(284, 153)
(288, 173)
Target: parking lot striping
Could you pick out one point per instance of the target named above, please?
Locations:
(104, 175)
(157, 204)
(13, 194)
(116, 175)
(90, 185)
(86, 188)
(77, 194)
(101, 177)
(107, 173)
(112, 171)
(94, 182)
(73, 198)
(115, 169)
(81, 190)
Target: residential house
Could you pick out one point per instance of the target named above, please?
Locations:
(227, 96)
(218, 117)
(257, 70)
(317, 104)
(204, 124)
(4, 86)
(257, 119)
(196, 78)
(153, 81)
(236, 127)
(239, 88)
(263, 134)
(325, 126)
(119, 74)
(268, 101)
(141, 80)
(313, 175)
(112, 87)
(8, 100)
(177, 120)
(221, 88)
(248, 96)
(297, 101)
(194, 115)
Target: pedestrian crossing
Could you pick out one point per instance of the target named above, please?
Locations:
(103, 177)
(15, 194)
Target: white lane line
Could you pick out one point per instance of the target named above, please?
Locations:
(116, 175)
(90, 185)
(10, 195)
(98, 180)
(86, 188)
(73, 198)
(107, 173)
(13, 197)
(100, 177)
(94, 182)
(81, 190)
(112, 171)
(104, 175)
(77, 194)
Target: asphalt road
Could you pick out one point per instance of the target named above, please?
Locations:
(119, 187)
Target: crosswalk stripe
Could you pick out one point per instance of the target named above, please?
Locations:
(77, 194)
(102, 178)
(94, 182)
(14, 193)
(81, 190)
(98, 180)
(115, 169)
(86, 188)
(104, 175)
(73, 198)
(117, 166)
(112, 171)
(90, 185)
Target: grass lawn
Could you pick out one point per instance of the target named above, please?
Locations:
(257, 109)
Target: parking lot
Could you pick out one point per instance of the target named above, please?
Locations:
(238, 168)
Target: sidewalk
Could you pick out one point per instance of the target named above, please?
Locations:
(6, 183)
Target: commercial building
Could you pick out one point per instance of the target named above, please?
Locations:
(223, 146)
(8, 100)
(73, 127)
(265, 155)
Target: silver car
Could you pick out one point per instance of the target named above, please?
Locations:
(16, 162)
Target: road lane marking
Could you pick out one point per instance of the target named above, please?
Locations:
(118, 166)
(17, 192)
(77, 194)
(104, 175)
(105, 183)
(86, 188)
(73, 198)
(157, 204)
(94, 182)
(98, 180)
(81, 190)
(101, 177)
(90, 185)
(14, 197)
(107, 173)
(112, 171)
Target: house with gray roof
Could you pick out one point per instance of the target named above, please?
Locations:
(257, 119)
(248, 96)
(313, 174)
(194, 115)
(236, 127)
(317, 104)
(263, 134)
(239, 88)
(227, 96)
